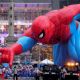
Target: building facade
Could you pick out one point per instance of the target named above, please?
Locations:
(25, 12)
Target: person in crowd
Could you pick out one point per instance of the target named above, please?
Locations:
(6, 73)
(63, 71)
(31, 70)
(15, 76)
(0, 73)
(37, 73)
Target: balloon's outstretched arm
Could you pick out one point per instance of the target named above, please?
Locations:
(23, 44)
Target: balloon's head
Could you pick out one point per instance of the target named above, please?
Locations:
(43, 30)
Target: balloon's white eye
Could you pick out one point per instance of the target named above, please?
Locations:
(41, 35)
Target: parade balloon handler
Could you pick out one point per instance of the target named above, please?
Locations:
(61, 28)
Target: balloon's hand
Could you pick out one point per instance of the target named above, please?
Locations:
(6, 56)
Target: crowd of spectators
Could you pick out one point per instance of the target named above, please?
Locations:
(20, 71)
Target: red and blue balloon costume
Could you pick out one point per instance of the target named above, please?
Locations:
(61, 28)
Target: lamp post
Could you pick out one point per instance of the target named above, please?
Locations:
(39, 51)
(30, 57)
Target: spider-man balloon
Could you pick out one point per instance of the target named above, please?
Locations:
(61, 28)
